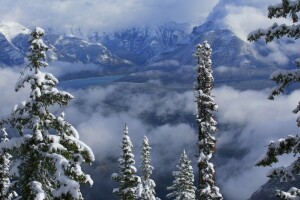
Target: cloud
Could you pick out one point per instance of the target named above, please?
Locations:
(243, 16)
(225, 69)
(276, 55)
(245, 19)
(99, 114)
(254, 3)
(8, 95)
(59, 69)
(104, 15)
(165, 63)
(247, 121)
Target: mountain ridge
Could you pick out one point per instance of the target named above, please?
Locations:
(14, 43)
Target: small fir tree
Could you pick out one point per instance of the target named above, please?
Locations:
(6, 192)
(49, 150)
(183, 186)
(148, 184)
(283, 79)
(206, 124)
(129, 182)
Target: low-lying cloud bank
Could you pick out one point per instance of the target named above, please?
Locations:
(247, 121)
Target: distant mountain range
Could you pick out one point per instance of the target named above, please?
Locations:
(150, 52)
(14, 45)
(146, 50)
(140, 46)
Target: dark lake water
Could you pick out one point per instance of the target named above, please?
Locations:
(86, 82)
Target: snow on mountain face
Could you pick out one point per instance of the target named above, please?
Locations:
(83, 51)
(12, 29)
(9, 54)
(14, 45)
(228, 49)
(139, 44)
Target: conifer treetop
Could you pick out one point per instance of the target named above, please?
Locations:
(206, 124)
(127, 179)
(146, 166)
(148, 184)
(37, 50)
(183, 185)
(50, 154)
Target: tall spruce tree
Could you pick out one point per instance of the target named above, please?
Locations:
(206, 124)
(283, 78)
(6, 189)
(48, 147)
(148, 184)
(129, 182)
(183, 186)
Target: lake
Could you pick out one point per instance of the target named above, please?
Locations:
(86, 82)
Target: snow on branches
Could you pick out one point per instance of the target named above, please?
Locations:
(47, 158)
(37, 50)
(206, 124)
(6, 187)
(287, 8)
(284, 9)
(292, 194)
(129, 183)
(283, 78)
(183, 186)
(290, 145)
(146, 169)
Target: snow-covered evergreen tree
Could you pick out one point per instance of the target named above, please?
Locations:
(48, 147)
(283, 78)
(183, 186)
(146, 169)
(206, 124)
(129, 183)
(6, 190)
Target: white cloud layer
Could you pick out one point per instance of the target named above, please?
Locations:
(104, 15)
(247, 121)
(252, 121)
(8, 95)
(245, 19)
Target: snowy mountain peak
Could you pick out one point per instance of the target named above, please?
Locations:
(12, 29)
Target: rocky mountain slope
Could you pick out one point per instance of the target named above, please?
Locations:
(140, 44)
(267, 191)
(14, 44)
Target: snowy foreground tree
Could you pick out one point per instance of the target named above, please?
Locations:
(48, 152)
(6, 192)
(183, 186)
(130, 187)
(206, 124)
(146, 169)
(283, 78)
